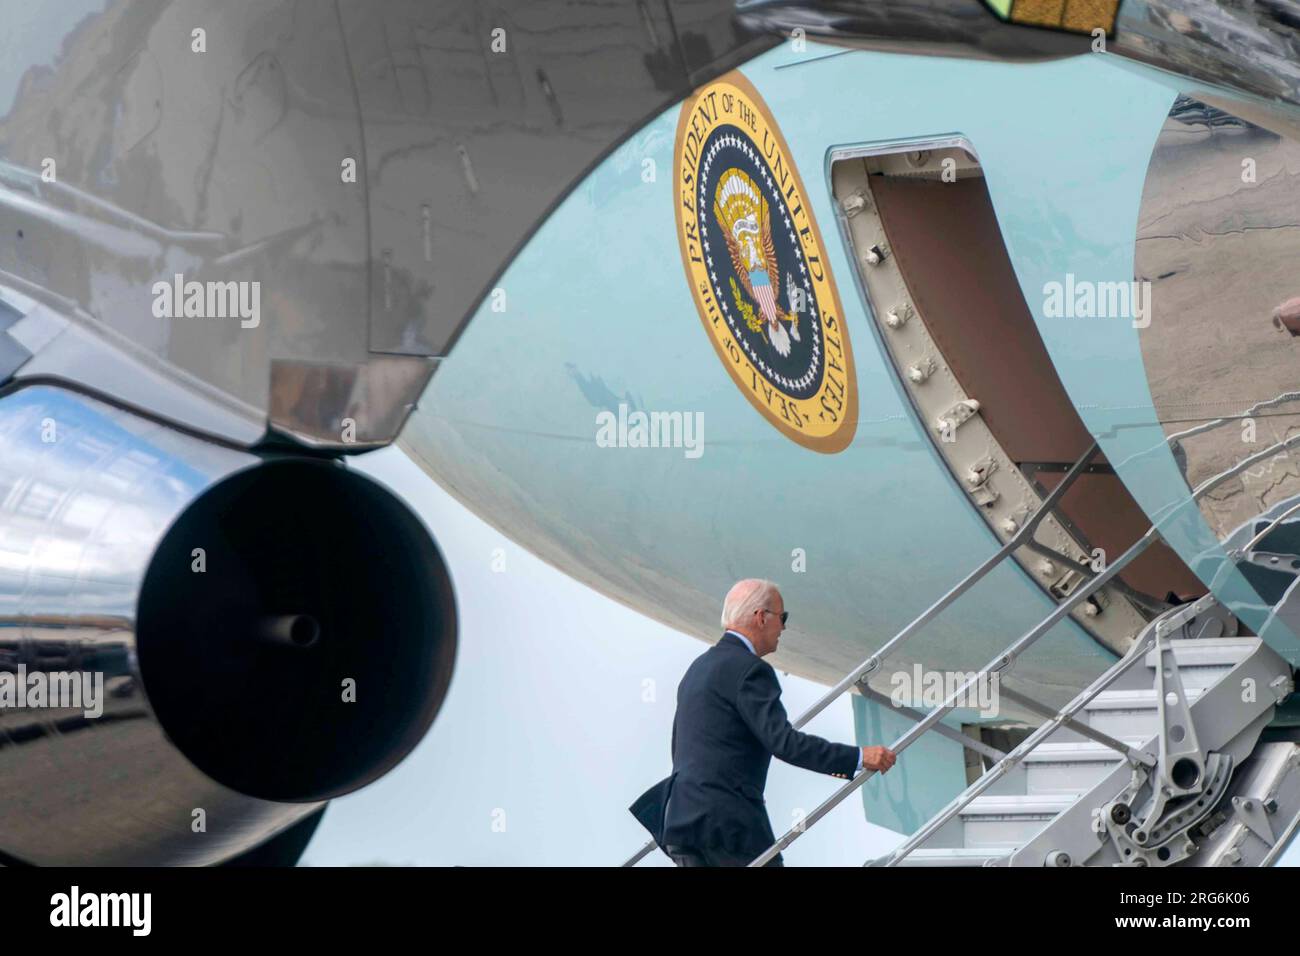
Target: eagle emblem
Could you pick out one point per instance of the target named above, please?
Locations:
(756, 268)
(742, 211)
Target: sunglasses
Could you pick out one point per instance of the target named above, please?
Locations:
(785, 615)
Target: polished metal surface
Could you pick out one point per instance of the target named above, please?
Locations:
(218, 160)
(371, 166)
(1250, 47)
(1218, 239)
(941, 27)
(86, 491)
(1253, 47)
(478, 119)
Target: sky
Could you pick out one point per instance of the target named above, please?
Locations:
(559, 716)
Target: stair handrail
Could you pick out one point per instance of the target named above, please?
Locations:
(998, 663)
(1017, 540)
(1144, 643)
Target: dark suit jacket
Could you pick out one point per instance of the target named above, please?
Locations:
(729, 726)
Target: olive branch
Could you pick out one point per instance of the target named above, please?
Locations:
(746, 310)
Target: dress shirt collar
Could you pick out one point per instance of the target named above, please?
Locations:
(743, 638)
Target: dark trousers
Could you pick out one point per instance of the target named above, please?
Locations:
(690, 856)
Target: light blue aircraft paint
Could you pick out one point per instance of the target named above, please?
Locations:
(594, 316)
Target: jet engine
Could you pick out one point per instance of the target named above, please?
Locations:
(199, 644)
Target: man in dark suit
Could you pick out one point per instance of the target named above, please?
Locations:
(729, 725)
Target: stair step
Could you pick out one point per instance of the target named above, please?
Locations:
(1073, 767)
(1011, 820)
(954, 856)
(1225, 652)
(1129, 713)
(1016, 805)
(1203, 663)
(1130, 699)
(1080, 752)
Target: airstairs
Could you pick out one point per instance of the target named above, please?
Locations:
(1211, 792)
(1163, 760)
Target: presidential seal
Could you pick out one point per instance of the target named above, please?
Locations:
(757, 269)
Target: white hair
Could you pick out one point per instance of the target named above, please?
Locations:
(746, 597)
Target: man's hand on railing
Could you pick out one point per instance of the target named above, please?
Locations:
(879, 759)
